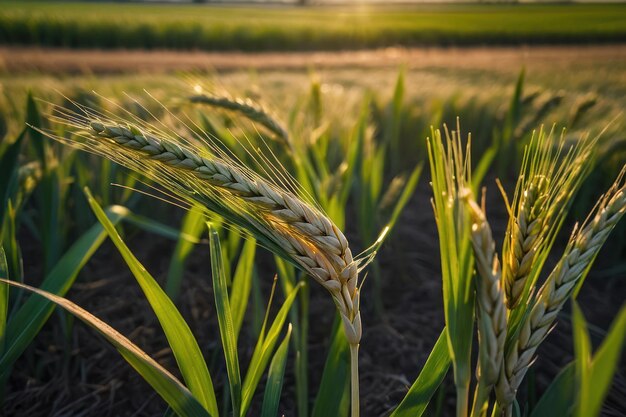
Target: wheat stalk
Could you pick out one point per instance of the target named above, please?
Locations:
(491, 310)
(583, 246)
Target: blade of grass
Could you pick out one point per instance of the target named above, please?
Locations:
(333, 396)
(406, 194)
(300, 323)
(582, 353)
(479, 172)
(242, 284)
(158, 228)
(559, 398)
(181, 340)
(263, 351)
(595, 374)
(274, 386)
(8, 172)
(33, 118)
(302, 351)
(225, 320)
(163, 382)
(428, 381)
(4, 296)
(355, 152)
(192, 227)
(450, 170)
(392, 133)
(13, 252)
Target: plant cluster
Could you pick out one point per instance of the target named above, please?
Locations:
(289, 193)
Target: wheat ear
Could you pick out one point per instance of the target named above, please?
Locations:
(550, 176)
(302, 231)
(247, 108)
(525, 239)
(583, 246)
(491, 310)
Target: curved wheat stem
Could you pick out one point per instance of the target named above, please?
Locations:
(584, 245)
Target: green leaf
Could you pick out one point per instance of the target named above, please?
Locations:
(515, 109)
(595, 375)
(485, 162)
(11, 246)
(355, 152)
(4, 295)
(274, 386)
(158, 228)
(450, 171)
(164, 383)
(559, 398)
(333, 396)
(193, 226)
(300, 321)
(428, 381)
(225, 320)
(9, 164)
(181, 340)
(582, 352)
(407, 192)
(30, 318)
(242, 284)
(263, 351)
(394, 118)
(33, 119)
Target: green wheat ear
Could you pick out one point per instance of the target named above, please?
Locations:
(550, 177)
(584, 244)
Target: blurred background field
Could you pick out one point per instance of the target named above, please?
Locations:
(285, 27)
(333, 76)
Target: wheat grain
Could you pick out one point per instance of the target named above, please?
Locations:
(583, 246)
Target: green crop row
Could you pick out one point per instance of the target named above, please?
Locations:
(102, 25)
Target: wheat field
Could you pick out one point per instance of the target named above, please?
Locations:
(396, 232)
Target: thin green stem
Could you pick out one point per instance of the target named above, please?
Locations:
(303, 370)
(462, 395)
(354, 370)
